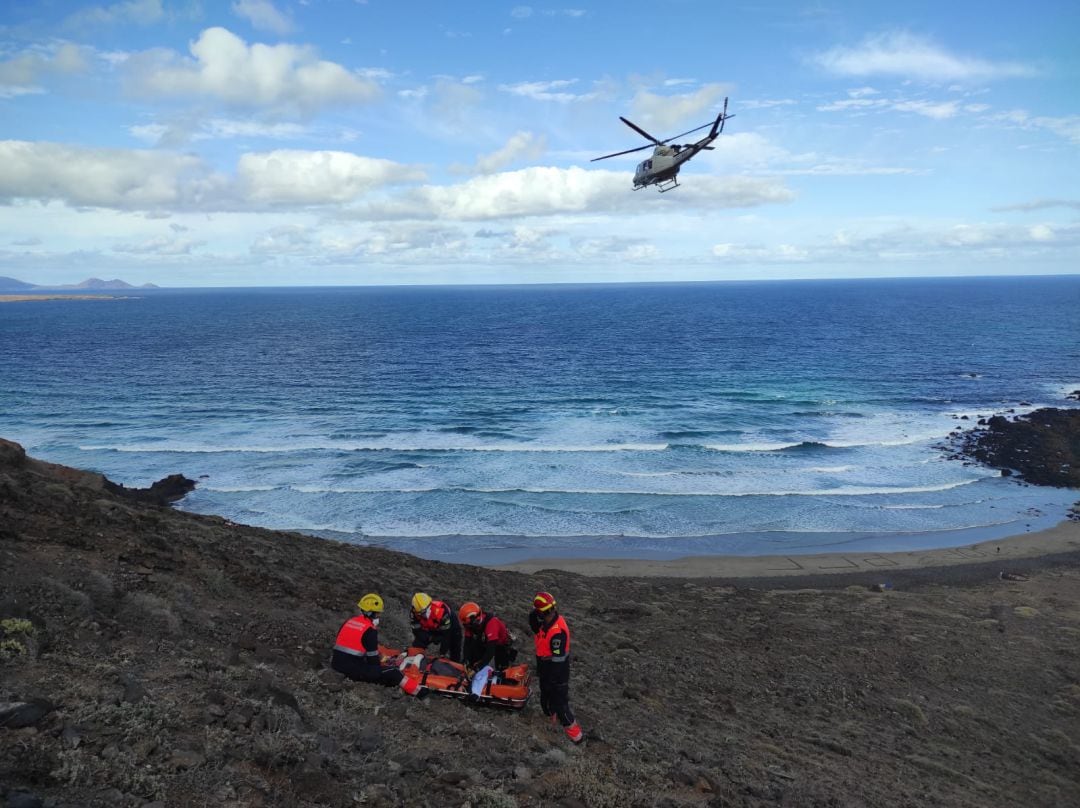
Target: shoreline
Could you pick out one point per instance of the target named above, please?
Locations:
(31, 298)
(1020, 551)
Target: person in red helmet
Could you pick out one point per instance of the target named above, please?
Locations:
(488, 644)
(551, 636)
(356, 649)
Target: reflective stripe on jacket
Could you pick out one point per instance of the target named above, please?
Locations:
(350, 638)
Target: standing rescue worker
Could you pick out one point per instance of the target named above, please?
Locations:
(488, 644)
(433, 621)
(552, 638)
(356, 649)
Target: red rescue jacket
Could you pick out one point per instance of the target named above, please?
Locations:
(350, 638)
(553, 643)
(493, 631)
(438, 618)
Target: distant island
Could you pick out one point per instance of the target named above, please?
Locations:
(14, 285)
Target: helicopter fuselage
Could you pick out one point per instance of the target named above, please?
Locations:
(662, 167)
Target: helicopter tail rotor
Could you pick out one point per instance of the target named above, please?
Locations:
(718, 124)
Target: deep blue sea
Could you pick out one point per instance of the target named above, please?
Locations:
(497, 422)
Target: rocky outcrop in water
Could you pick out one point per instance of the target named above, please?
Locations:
(1042, 447)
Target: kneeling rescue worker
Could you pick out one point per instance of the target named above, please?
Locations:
(552, 638)
(488, 644)
(433, 621)
(356, 649)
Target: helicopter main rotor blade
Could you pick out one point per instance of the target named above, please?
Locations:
(616, 154)
(641, 131)
(676, 137)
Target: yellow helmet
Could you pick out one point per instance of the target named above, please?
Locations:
(370, 603)
(420, 601)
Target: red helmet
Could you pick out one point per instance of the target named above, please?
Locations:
(543, 601)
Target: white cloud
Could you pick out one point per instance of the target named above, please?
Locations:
(547, 90)
(923, 241)
(1067, 126)
(520, 146)
(668, 111)
(289, 239)
(274, 77)
(116, 178)
(549, 191)
(160, 246)
(752, 152)
(938, 110)
(742, 253)
(139, 12)
(184, 130)
(21, 74)
(1041, 204)
(905, 55)
(263, 15)
(291, 177)
(767, 103)
(133, 179)
(521, 12)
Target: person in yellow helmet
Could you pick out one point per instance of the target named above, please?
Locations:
(356, 649)
(434, 621)
(551, 636)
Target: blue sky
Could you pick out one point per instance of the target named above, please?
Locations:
(264, 142)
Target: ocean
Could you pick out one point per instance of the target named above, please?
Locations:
(498, 423)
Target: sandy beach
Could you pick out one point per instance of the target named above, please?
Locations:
(1010, 553)
(34, 298)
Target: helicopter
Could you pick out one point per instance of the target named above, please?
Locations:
(662, 170)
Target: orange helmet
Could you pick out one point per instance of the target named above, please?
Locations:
(469, 611)
(543, 601)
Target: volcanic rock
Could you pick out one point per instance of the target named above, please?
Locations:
(1042, 447)
(178, 654)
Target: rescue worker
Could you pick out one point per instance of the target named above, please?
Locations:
(433, 621)
(356, 649)
(552, 638)
(488, 645)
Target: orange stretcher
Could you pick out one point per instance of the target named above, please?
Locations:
(506, 688)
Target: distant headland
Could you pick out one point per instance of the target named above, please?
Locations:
(11, 285)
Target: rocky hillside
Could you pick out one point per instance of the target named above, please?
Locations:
(151, 657)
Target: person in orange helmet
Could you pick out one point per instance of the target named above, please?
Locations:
(551, 636)
(434, 621)
(488, 644)
(356, 649)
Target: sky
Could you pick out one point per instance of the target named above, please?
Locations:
(336, 142)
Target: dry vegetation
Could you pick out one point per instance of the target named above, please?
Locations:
(151, 656)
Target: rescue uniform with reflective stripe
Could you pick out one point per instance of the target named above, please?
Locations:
(553, 666)
(356, 653)
(441, 625)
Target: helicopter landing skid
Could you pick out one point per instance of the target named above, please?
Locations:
(667, 185)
